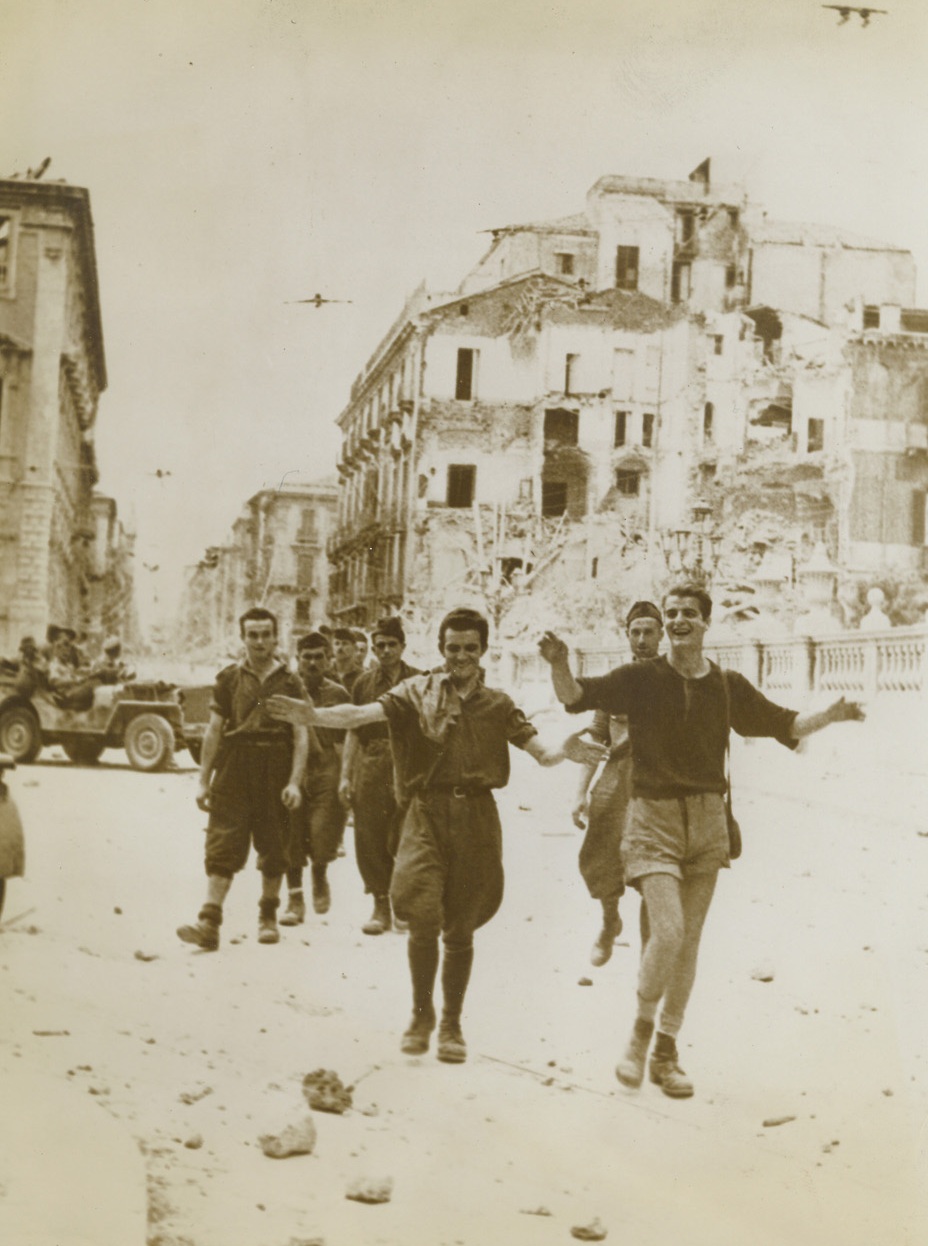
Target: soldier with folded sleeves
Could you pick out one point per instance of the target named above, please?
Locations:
(450, 735)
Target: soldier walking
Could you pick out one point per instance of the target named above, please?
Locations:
(250, 772)
(451, 736)
(602, 812)
(367, 775)
(680, 709)
(317, 825)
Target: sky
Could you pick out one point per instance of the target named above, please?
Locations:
(244, 153)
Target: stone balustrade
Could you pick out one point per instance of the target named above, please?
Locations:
(861, 665)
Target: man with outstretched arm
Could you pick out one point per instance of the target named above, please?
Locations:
(450, 735)
(680, 708)
(601, 812)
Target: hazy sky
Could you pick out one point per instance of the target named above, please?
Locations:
(240, 153)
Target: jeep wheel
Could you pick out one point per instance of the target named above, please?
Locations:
(83, 752)
(20, 735)
(149, 742)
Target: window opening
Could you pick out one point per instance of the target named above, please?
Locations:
(462, 479)
(626, 268)
(553, 498)
(465, 381)
(816, 436)
(679, 282)
(708, 419)
(627, 483)
(570, 373)
(562, 427)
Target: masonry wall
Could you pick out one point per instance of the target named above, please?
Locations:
(635, 221)
(49, 367)
(820, 282)
(888, 419)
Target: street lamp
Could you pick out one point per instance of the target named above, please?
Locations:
(694, 550)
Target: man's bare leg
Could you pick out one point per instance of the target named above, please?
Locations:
(665, 1071)
(662, 895)
(696, 895)
(611, 929)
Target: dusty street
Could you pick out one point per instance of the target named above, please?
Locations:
(805, 1038)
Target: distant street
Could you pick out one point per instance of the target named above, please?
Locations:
(809, 1014)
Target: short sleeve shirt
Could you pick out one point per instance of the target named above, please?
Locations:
(369, 687)
(239, 697)
(677, 726)
(475, 751)
(327, 694)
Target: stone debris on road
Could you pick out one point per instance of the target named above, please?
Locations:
(194, 1142)
(595, 1231)
(324, 1092)
(145, 956)
(196, 1027)
(193, 1096)
(296, 1139)
(370, 1190)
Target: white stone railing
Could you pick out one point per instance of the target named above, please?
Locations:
(857, 664)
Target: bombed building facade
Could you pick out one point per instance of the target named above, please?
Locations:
(597, 377)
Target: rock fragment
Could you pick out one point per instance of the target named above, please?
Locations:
(370, 1190)
(324, 1092)
(595, 1231)
(771, 1121)
(296, 1139)
(194, 1096)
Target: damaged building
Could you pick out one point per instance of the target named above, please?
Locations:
(887, 439)
(595, 376)
(489, 421)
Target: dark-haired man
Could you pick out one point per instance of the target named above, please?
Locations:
(250, 772)
(345, 665)
(317, 825)
(367, 775)
(450, 735)
(363, 647)
(680, 708)
(602, 811)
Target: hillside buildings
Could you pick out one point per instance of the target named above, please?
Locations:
(52, 372)
(596, 376)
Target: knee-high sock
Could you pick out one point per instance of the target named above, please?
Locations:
(455, 975)
(423, 967)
